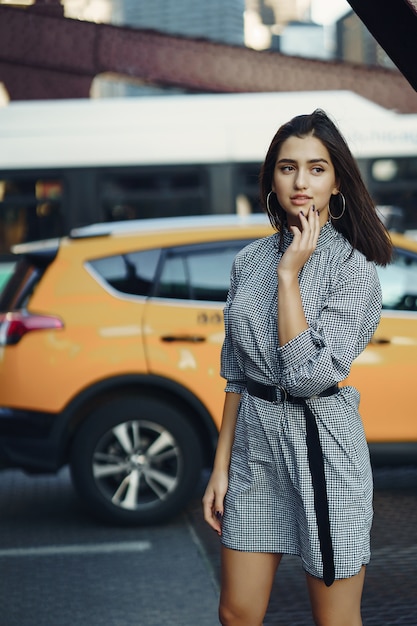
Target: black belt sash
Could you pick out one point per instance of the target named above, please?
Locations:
(316, 464)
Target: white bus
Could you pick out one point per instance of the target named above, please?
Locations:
(69, 163)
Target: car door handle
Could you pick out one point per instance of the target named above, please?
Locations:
(380, 341)
(183, 338)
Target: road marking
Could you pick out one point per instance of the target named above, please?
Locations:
(92, 548)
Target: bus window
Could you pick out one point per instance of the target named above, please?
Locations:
(393, 182)
(162, 192)
(30, 209)
(247, 180)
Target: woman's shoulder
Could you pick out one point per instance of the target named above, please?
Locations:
(352, 262)
(256, 249)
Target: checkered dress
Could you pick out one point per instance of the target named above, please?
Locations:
(269, 504)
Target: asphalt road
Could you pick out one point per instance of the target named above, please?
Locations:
(60, 568)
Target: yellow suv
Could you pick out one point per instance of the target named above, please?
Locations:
(109, 358)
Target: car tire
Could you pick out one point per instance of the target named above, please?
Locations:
(135, 460)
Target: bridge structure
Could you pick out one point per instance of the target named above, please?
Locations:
(44, 55)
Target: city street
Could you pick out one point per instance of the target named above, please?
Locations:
(60, 568)
(198, 197)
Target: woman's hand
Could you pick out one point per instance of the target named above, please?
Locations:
(213, 499)
(303, 245)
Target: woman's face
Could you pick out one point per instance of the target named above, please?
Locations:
(304, 175)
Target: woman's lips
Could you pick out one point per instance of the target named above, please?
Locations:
(300, 200)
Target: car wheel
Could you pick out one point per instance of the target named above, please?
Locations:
(135, 460)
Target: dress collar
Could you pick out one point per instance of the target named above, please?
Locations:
(328, 234)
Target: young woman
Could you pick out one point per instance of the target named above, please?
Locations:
(292, 472)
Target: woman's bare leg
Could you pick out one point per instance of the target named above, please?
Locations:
(339, 604)
(246, 583)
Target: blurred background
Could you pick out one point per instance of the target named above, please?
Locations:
(68, 159)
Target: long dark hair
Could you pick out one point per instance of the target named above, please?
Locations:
(360, 223)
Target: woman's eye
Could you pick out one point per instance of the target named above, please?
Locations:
(286, 168)
(318, 170)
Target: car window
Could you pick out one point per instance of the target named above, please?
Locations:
(132, 273)
(399, 282)
(24, 279)
(194, 272)
(198, 274)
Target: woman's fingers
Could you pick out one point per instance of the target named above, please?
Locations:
(306, 237)
(213, 510)
(310, 224)
(304, 242)
(315, 227)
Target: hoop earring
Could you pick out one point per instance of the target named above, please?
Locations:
(267, 201)
(343, 208)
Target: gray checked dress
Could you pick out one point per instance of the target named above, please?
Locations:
(269, 505)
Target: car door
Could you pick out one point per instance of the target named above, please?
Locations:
(386, 372)
(183, 322)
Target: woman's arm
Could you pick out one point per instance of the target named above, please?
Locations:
(317, 355)
(213, 500)
(291, 318)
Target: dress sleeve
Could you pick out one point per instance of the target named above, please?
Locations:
(322, 355)
(230, 369)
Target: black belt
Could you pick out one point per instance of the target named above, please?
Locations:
(315, 461)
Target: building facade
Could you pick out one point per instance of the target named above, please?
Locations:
(355, 44)
(217, 20)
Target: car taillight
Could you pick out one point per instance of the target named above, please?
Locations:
(16, 324)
